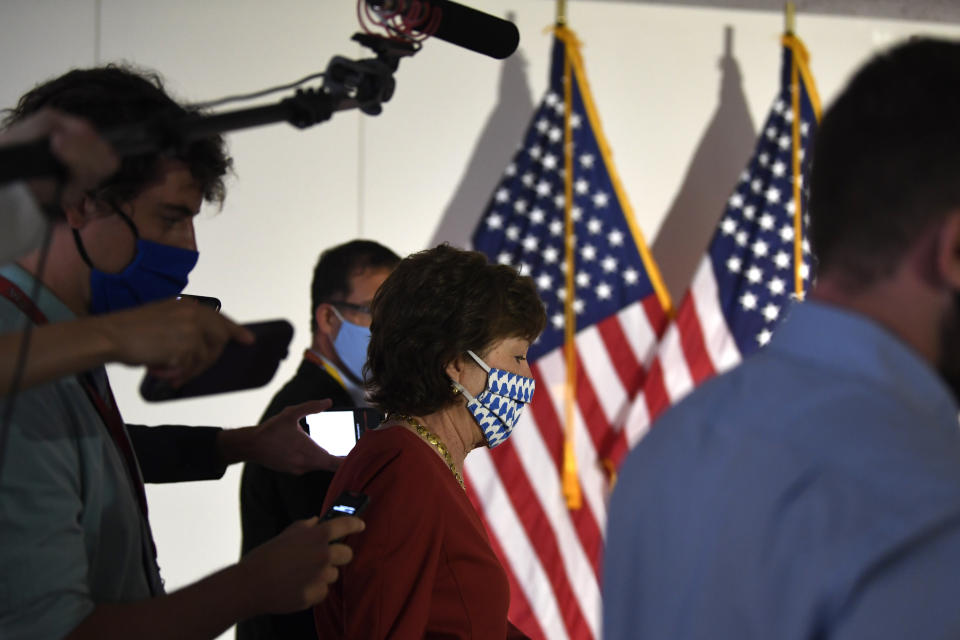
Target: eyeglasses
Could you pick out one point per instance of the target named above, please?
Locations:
(362, 308)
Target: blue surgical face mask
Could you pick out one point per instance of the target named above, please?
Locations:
(157, 271)
(351, 345)
(498, 407)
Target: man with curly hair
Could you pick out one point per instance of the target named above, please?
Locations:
(77, 556)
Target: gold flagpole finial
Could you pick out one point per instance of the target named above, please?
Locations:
(790, 13)
(561, 13)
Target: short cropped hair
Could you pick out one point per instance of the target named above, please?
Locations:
(114, 96)
(435, 306)
(331, 276)
(887, 160)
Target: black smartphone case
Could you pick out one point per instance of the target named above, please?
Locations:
(239, 367)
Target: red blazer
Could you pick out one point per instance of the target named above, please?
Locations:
(423, 567)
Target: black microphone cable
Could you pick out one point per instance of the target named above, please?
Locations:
(244, 97)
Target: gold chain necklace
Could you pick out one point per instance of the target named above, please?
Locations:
(433, 440)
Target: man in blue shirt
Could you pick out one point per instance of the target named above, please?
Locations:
(814, 491)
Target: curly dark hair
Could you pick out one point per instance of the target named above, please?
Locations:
(115, 96)
(435, 306)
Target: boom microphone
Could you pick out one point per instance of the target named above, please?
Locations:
(459, 25)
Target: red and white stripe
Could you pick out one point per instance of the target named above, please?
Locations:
(694, 347)
(553, 555)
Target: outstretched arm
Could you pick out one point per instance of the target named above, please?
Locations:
(176, 338)
(289, 573)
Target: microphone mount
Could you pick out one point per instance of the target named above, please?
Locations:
(347, 84)
(368, 83)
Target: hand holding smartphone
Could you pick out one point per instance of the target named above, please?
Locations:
(348, 503)
(240, 366)
(339, 430)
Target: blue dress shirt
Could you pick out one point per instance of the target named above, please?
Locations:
(811, 492)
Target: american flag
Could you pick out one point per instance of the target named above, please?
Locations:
(552, 552)
(750, 274)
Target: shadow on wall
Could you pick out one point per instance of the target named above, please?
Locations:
(720, 157)
(496, 145)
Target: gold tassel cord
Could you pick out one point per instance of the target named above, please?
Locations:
(653, 272)
(797, 175)
(800, 78)
(574, 71)
(571, 481)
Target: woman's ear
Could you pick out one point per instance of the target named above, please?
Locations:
(455, 369)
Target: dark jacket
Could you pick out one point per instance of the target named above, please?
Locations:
(271, 501)
(176, 454)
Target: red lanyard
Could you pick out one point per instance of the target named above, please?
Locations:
(310, 356)
(314, 358)
(106, 407)
(15, 294)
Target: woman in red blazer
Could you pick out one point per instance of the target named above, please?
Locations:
(447, 362)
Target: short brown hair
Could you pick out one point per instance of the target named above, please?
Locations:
(886, 161)
(435, 306)
(331, 276)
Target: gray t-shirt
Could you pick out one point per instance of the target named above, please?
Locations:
(24, 223)
(71, 531)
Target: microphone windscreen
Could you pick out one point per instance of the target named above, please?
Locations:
(462, 26)
(475, 30)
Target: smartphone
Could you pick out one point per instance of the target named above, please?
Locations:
(338, 431)
(213, 303)
(239, 367)
(348, 503)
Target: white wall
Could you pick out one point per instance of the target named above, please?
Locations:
(422, 170)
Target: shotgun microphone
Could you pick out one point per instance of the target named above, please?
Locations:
(458, 24)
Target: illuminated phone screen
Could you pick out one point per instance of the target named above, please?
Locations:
(344, 508)
(213, 303)
(335, 431)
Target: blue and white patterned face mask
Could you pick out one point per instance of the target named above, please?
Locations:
(498, 407)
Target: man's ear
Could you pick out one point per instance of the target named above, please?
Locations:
(948, 251)
(327, 321)
(80, 214)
